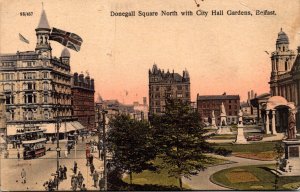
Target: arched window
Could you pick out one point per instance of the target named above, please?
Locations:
(286, 66)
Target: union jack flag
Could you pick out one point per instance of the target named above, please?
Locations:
(70, 40)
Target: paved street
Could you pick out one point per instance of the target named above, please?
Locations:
(202, 181)
(39, 170)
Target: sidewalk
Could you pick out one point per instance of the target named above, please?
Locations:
(85, 170)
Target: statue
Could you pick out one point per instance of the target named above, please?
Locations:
(291, 129)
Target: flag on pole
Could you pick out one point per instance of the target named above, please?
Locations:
(70, 40)
(22, 38)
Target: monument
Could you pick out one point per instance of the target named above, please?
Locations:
(213, 120)
(289, 165)
(223, 121)
(240, 137)
(223, 128)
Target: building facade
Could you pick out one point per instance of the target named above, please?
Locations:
(37, 85)
(163, 85)
(285, 74)
(208, 103)
(83, 91)
(249, 111)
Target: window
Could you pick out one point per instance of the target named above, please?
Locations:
(45, 75)
(46, 86)
(179, 95)
(30, 98)
(286, 66)
(8, 76)
(9, 99)
(7, 87)
(29, 75)
(179, 87)
(45, 98)
(46, 114)
(229, 106)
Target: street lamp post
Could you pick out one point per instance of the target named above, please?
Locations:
(57, 142)
(104, 151)
(99, 127)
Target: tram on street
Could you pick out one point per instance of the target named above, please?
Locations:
(34, 148)
(33, 142)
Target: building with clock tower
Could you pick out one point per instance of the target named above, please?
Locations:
(37, 87)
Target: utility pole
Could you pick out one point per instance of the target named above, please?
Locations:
(104, 151)
(99, 129)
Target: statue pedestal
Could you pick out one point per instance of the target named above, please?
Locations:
(290, 164)
(240, 137)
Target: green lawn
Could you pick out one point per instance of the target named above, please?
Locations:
(253, 177)
(162, 178)
(252, 147)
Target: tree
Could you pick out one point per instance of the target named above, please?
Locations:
(179, 136)
(130, 143)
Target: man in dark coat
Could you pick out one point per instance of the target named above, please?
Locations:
(74, 183)
(65, 172)
(80, 179)
(92, 167)
(91, 159)
(75, 167)
(95, 178)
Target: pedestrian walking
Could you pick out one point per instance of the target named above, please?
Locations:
(75, 167)
(61, 173)
(65, 172)
(101, 184)
(18, 155)
(95, 178)
(55, 181)
(23, 176)
(66, 153)
(91, 159)
(92, 168)
(74, 183)
(83, 188)
(80, 179)
(87, 159)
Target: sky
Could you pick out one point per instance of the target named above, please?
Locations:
(221, 53)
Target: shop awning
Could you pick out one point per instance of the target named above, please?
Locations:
(77, 125)
(12, 129)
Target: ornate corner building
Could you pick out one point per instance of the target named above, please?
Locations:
(163, 85)
(37, 86)
(285, 75)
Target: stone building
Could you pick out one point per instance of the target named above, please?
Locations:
(37, 86)
(166, 84)
(207, 103)
(248, 110)
(83, 91)
(284, 84)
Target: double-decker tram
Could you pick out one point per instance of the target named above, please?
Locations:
(33, 143)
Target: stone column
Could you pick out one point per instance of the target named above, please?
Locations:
(263, 123)
(273, 123)
(267, 131)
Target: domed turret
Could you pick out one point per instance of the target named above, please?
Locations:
(65, 56)
(65, 53)
(282, 42)
(282, 38)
